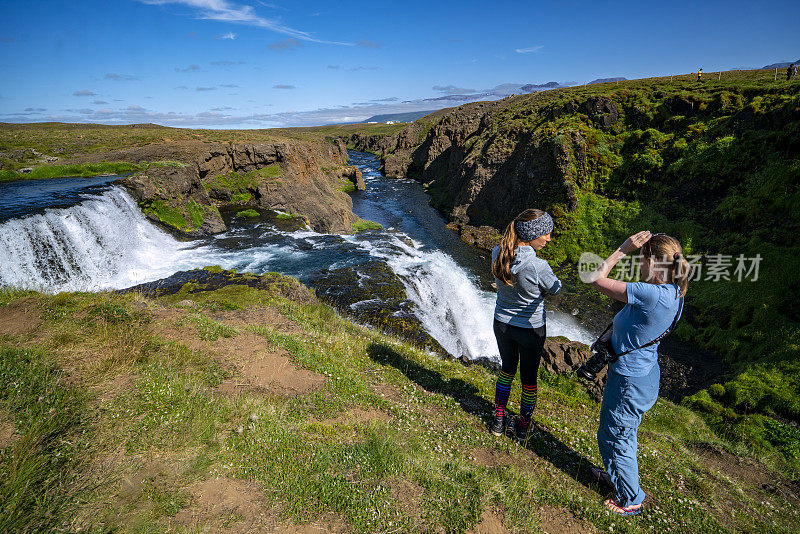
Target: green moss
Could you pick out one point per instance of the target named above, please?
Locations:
(164, 213)
(347, 186)
(241, 197)
(364, 224)
(285, 216)
(270, 171)
(196, 213)
(248, 213)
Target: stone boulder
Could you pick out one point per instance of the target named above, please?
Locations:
(484, 237)
(562, 356)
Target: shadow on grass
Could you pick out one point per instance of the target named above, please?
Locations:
(540, 442)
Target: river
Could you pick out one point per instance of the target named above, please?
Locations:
(78, 234)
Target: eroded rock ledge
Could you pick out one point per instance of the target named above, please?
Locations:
(184, 193)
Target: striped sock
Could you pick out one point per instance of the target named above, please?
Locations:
(527, 403)
(501, 392)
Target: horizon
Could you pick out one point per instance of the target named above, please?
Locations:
(221, 64)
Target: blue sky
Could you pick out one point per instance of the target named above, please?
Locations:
(254, 63)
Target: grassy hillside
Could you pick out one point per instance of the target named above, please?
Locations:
(253, 408)
(77, 146)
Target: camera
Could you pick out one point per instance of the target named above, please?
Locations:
(603, 355)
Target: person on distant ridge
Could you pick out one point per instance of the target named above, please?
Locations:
(699, 75)
(519, 318)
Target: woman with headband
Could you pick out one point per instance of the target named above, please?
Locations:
(519, 318)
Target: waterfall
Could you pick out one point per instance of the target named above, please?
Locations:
(103, 242)
(450, 305)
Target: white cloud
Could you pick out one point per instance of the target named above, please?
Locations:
(230, 36)
(225, 11)
(83, 92)
(529, 50)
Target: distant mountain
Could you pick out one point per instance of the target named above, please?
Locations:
(781, 65)
(533, 87)
(606, 80)
(399, 117)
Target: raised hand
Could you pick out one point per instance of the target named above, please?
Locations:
(635, 241)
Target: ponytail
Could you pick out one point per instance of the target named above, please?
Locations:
(501, 267)
(680, 272)
(662, 247)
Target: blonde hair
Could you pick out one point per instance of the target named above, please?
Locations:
(501, 267)
(668, 251)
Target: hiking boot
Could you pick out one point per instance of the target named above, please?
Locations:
(522, 434)
(498, 426)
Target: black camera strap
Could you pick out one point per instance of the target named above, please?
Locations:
(656, 340)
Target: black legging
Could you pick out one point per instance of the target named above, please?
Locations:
(517, 344)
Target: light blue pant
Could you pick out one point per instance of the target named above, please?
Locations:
(625, 401)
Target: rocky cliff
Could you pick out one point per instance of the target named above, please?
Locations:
(713, 163)
(185, 193)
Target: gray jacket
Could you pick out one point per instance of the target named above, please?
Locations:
(523, 303)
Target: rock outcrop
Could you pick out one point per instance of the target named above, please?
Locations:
(302, 178)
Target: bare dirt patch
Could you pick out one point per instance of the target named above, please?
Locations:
(407, 495)
(491, 523)
(258, 367)
(8, 430)
(492, 458)
(19, 317)
(319, 527)
(226, 504)
(258, 316)
(559, 521)
(389, 391)
(272, 371)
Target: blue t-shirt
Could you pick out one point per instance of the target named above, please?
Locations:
(650, 310)
(523, 303)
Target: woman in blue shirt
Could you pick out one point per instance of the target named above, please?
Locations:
(632, 381)
(519, 318)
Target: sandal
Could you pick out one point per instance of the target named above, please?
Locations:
(613, 506)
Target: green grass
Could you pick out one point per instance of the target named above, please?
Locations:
(81, 170)
(144, 423)
(347, 187)
(40, 474)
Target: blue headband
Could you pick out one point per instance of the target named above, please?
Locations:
(530, 230)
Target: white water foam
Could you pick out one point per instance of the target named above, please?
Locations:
(102, 243)
(451, 306)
